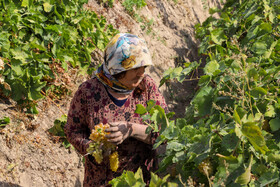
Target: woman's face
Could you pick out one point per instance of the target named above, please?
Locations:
(133, 77)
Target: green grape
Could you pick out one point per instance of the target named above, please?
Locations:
(100, 147)
(114, 161)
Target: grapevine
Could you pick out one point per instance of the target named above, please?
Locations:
(206, 168)
(230, 134)
(101, 147)
(40, 41)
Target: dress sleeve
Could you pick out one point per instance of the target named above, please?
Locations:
(76, 129)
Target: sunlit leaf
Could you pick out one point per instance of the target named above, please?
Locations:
(176, 146)
(267, 27)
(259, 48)
(254, 134)
(218, 36)
(25, 3)
(211, 67)
(230, 158)
(150, 105)
(4, 121)
(176, 72)
(58, 128)
(273, 157)
(19, 54)
(47, 7)
(245, 177)
(236, 117)
(270, 111)
(238, 132)
(140, 109)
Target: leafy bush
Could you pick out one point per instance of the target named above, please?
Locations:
(36, 36)
(230, 134)
(58, 130)
(128, 179)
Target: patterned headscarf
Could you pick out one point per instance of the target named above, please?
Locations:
(124, 52)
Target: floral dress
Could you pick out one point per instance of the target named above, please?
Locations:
(92, 105)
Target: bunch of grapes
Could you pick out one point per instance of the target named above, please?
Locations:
(205, 167)
(114, 161)
(101, 146)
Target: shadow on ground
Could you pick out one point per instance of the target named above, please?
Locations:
(4, 184)
(78, 183)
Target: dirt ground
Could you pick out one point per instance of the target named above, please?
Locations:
(30, 156)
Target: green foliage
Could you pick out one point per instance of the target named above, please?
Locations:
(245, 177)
(148, 26)
(109, 3)
(4, 121)
(156, 114)
(58, 130)
(232, 124)
(145, 23)
(179, 73)
(35, 36)
(129, 179)
(131, 5)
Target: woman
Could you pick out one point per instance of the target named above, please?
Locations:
(111, 97)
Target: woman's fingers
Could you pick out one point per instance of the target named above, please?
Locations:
(117, 132)
(117, 140)
(117, 123)
(114, 124)
(114, 135)
(112, 129)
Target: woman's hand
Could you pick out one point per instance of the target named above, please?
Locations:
(119, 131)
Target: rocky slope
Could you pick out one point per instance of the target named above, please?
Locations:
(30, 156)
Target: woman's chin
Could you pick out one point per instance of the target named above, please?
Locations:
(133, 86)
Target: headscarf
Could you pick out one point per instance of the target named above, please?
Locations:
(124, 52)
